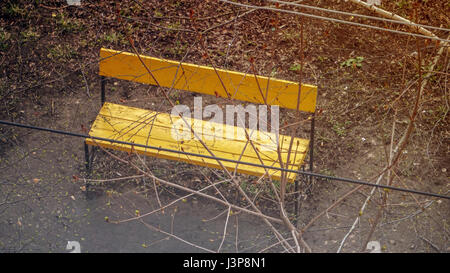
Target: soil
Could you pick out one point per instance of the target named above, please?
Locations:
(49, 77)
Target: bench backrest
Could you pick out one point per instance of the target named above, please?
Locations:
(207, 80)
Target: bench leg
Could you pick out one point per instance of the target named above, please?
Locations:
(87, 158)
(296, 201)
(103, 86)
(297, 196)
(311, 147)
(88, 167)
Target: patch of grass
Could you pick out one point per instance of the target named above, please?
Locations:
(176, 3)
(249, 187)
(439, 113)
(251, 43)
(322, 138)
(328, 172)
(295, 67)
(268, 190)
(68, 25)
(340, 127)
(114, 38)
(158, 14)
(289, 36)
(13, 10)
(4, 39)
(29, 35)
(174, 26)
(178, 49)
(175, 95)
(4, 91)
(323, 58)
(402, 4)
(62, 53)
(353, 62)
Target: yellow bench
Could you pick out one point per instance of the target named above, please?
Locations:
(147, 127)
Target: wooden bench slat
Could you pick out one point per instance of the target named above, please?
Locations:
(138, 118)
(133, 125)
(204, 79)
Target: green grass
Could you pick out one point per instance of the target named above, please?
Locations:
(295, 67)
(62, 53)
(340, 128)
(402, 4)
(353, 62)
(29, 35)
(178, 49)
(4, 39)
(13, 10)
(68, 25)
(323, 58)
(114, 38)
(248, 186)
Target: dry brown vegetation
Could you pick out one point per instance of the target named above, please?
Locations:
(371, 93)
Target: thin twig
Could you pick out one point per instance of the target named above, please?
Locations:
(224, 229)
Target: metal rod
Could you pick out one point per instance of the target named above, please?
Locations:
(311, 146)
(88, 167)
(86, 156)
(296, 201)
(103, 84)
(334, 178)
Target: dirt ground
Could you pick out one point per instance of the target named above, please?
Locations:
(48, 77)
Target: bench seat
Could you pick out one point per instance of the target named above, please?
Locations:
(152, 128)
